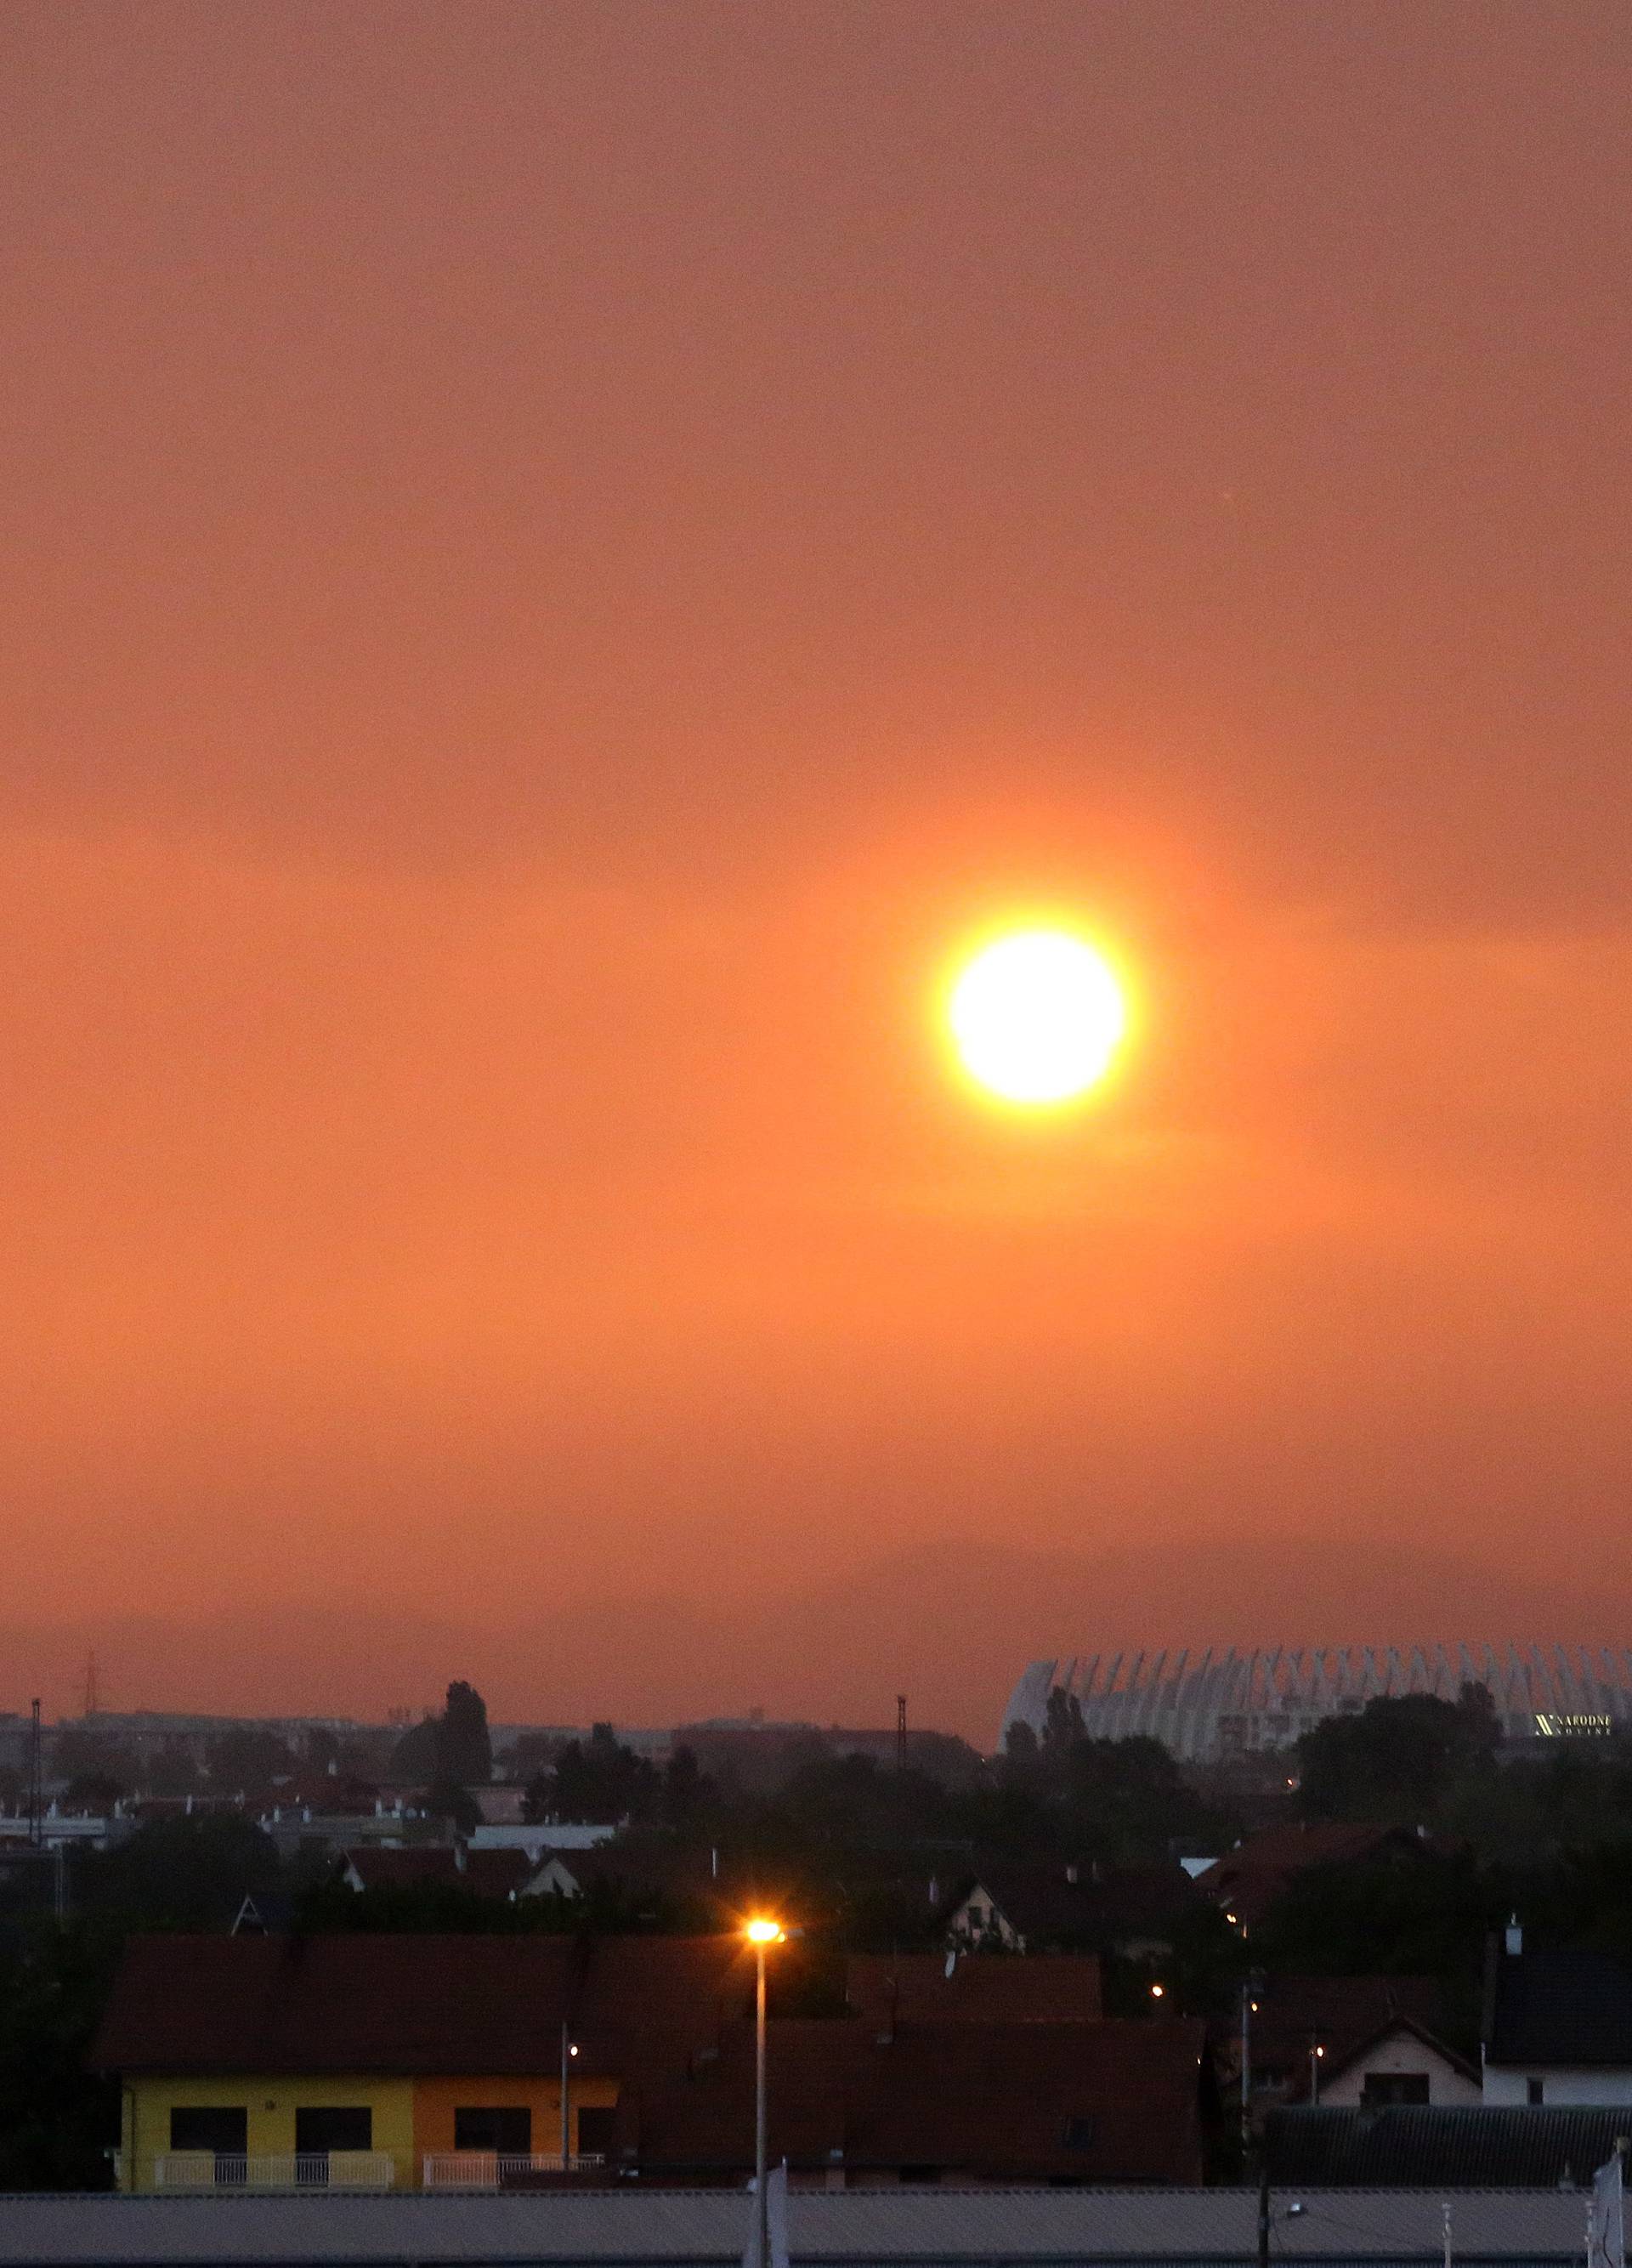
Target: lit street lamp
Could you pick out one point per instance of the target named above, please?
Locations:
(759, 1933)
(569, 2049)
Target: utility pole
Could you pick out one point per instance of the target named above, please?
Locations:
(1247, 2066)
(900, 1731)
(36, 1781)
(567, 2053)
(1252, 1985)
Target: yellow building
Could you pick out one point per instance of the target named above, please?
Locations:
(197, 2131)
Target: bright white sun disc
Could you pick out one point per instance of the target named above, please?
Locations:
(1036, 1017)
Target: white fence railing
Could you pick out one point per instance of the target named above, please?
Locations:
(497, 2169)
(320, 2169)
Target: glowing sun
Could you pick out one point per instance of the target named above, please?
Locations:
(1036, 1017)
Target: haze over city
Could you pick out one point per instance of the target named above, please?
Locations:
(564, 565)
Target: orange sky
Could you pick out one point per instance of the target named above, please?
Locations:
(557, 560)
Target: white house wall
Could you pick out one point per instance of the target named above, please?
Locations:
(1561, 2084)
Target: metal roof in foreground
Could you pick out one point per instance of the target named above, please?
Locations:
(675, 2229)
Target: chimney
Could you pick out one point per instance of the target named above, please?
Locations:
(1513, 1937)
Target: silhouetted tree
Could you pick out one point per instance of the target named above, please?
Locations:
(247, 1757)
(454, 1746)
(451, 1799)
(1063, 1723)
(463, 1746)
(417, 1754)
(689, 1794)
(1397, 1758)
(172, 1771)
(599, 1779)
(321, 1749)
(92, 1792)
(179, 1872)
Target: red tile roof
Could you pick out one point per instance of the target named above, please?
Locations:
(411, 2005)
(484, 1873)
(914, 1988)
(1249, 1879)
(1107, 2102)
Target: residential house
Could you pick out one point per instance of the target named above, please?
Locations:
(1401, 2062)
(371, 2061)
(1368, 2040)
(504, 1875)
(1557, 2026)
(1248, 1879)
(1129, 1911)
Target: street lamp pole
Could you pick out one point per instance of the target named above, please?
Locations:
(760, 1934)
(568, 2050)
(760, 2196)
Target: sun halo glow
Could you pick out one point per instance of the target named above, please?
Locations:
(1036, 1017)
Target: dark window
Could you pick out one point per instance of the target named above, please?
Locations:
(318, 2132)
(1381, 2087)
(507, 2132)
(226, 2132)
(1535, 2090)
(1078, 2134)
(595, 2131)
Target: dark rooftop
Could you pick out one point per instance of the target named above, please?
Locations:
(981, 1988)
(1549, 2008)
(415, 2004)
(1413, 2147)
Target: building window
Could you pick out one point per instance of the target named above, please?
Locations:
(1078, 2134)
(507, 2133)
(226, 2132)
(318, 2132)
(977, 1917)
(597, 2125)
(1535, 2090)
(1381, 2087)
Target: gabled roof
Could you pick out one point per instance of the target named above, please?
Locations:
(1393, 2028)
(1341, 2013)
(1249, 1879)
(411, 2005)
(1058, 1902)
(483, 1873)
(1560, 2008)
(914, 1988)
(1104, 2101)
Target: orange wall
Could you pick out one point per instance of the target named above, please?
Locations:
(435, 2100)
